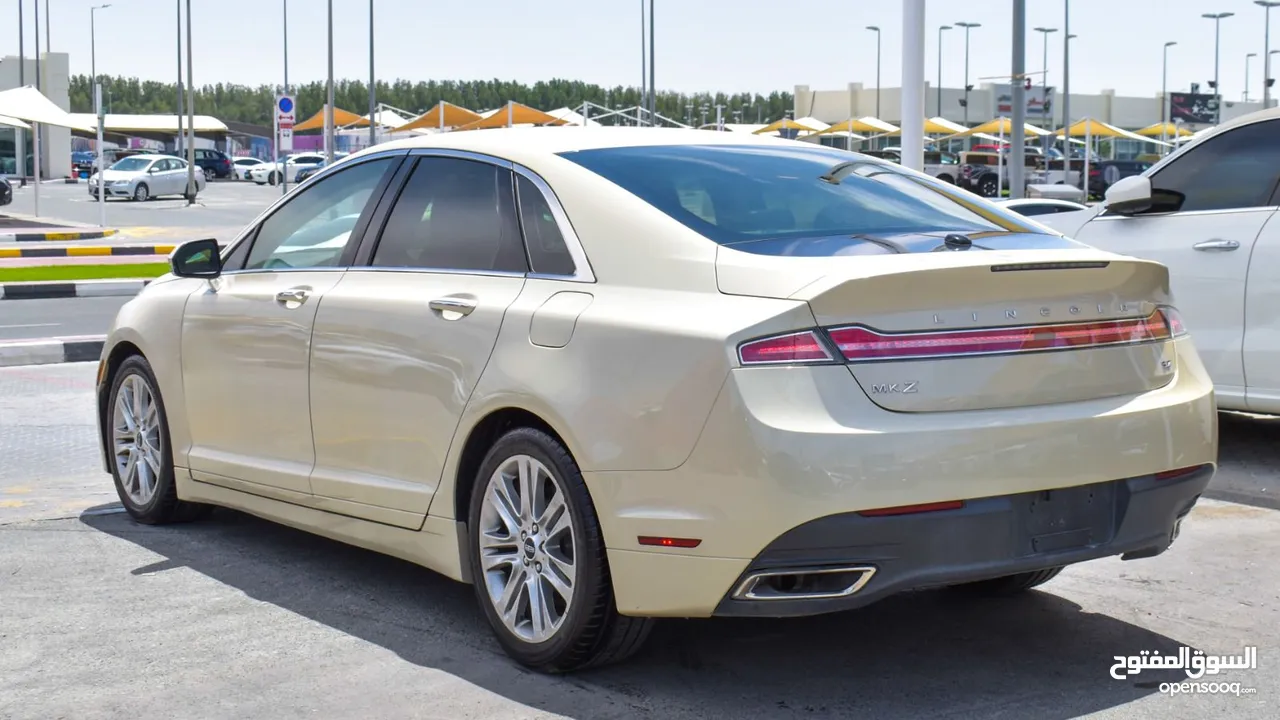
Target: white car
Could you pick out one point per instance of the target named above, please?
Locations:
(1208, 212)
(1041, 206)
(269, 173)
(143, 177)
(244, 165)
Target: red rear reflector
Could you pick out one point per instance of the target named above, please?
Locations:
(863, 344)
(1180, 472)
(798, 347)
(911, 509)
(669, 541)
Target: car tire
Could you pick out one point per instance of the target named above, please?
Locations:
(947, 179)
(587, 630)
(144, 477)
(1011, 584)
(142, 193)
(273, 178)
(989, 186)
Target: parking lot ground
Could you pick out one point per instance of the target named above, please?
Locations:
(221, 211)
(235, 617)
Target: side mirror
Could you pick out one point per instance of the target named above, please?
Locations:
(1129, 196)
(197, 259)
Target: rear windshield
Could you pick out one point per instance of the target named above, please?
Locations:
(740, 194)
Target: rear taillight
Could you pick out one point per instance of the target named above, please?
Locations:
(860, 344)
(801, 347)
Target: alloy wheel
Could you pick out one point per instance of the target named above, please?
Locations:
(135, 436)
(527, 553)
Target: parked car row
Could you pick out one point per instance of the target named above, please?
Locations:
(610, 375)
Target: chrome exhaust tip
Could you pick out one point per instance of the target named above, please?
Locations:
(804, 583)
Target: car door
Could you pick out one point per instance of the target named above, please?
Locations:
(175, 177)
(399, 345)
(246, 337)
(1211, 202)
(1262, 321)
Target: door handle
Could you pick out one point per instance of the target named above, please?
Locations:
(1208, 245)
(462, 306)
(293, 295)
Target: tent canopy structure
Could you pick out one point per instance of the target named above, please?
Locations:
(316, 122)
(152, 127)
(998, 126)
(383, 118)
(864, 125)
(1097, 128)
(513, 113)
(13, 122)
(572, 117)
(443, 115)
(785, 124)
(31, 106)
(932, 126)
(1168, 130)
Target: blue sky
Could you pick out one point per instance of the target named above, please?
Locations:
(728, 45)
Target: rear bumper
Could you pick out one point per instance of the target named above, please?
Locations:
(789, 456)
(988, 538)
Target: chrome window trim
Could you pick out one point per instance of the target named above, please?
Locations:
(582, 271)
(438, 271)
(252, 226)
(582, 268)
(1178, 213)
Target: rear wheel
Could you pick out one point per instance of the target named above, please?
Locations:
(142, 464)
(1011, 584)
(538, 560)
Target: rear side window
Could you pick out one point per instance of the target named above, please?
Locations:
(454, 214)
(548, 254)
(744, 194)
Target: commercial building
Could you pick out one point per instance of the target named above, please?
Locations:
(55, 142)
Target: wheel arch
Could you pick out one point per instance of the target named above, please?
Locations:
(110, 363)
(481, 436)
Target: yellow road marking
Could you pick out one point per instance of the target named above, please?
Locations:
(11, 503)
(17, 490)
(87, 251)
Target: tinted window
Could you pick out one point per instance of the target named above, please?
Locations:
(548, 253)
(738, 194)
(1237, 169)
(453, 214)
(312, 228)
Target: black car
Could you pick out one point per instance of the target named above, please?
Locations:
(1105, 173)
(215, 163)
(6, 191)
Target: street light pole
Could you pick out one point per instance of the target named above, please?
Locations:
(940, 29)
(653, 84)
(912, 101)
(177, 142)
(97, 110)
(284, 175)
(1217, 55)
(644, 69)
(328, 108)
(20, 146)
(373, 93)
(1266, 6)
(876, 30)
(967, 27)
(1247, 58)
(191, 119)
(1066, 90)
(1046, 112)
(1018, 151)
(1164, 94)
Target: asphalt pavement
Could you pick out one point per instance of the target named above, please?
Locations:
(63, 317)
(236, 617)
(221, 211)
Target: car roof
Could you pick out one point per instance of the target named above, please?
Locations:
(512, 143)
(151, 156)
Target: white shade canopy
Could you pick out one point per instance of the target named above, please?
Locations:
(7, 121)
(28, 104)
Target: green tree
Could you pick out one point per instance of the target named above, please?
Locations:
(241, 103)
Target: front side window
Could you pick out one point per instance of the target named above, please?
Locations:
(131, 164)
(312, 229)
(453, 214)
(812, 201)
(1235, 170)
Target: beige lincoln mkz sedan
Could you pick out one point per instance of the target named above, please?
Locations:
(608, 375)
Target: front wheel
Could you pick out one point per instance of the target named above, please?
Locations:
(274, 179)
(142, 464)
(538, 560)
(142, 193)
